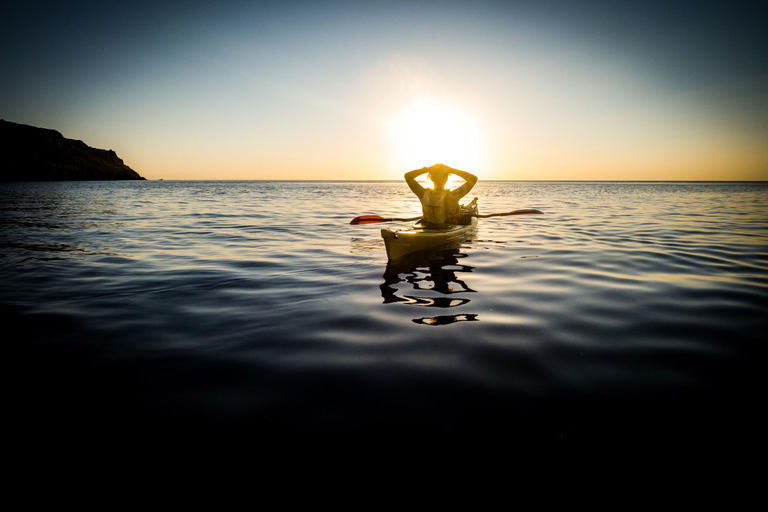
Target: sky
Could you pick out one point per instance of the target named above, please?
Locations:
(340, 90)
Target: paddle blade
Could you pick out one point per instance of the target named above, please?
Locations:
(522, 212)
(367, 219)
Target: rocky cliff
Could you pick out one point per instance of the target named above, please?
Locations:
(28, 153)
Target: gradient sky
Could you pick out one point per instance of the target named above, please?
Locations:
(549, 89)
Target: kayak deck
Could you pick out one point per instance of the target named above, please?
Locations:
(418, 238)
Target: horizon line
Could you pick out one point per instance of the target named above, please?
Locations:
(479, 180)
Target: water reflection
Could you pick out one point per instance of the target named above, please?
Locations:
(437, 278)
(445, 319)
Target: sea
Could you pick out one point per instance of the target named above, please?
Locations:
(626, 323)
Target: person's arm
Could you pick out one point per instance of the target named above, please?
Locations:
(469, 182)
(410, 178)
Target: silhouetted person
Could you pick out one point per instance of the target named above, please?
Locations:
(440, 205)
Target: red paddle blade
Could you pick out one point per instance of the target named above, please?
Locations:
(367, 219)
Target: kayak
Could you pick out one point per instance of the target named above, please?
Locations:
(417, 238)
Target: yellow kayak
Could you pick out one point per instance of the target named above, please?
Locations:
(418, 238)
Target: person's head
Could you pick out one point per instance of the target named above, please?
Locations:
(439, 175)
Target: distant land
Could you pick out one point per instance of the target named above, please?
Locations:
(28, 153)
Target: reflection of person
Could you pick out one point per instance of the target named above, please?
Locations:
(445, 320)
(441, 273)
(440, 205)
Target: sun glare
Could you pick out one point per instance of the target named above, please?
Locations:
(428, 133)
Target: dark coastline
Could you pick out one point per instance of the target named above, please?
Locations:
(28, 153)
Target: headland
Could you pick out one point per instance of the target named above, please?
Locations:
(28, 153)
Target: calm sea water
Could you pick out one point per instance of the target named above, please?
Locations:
(629, 317)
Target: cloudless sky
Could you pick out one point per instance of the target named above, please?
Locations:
(548, 89)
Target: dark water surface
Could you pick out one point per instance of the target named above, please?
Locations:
(627, 321)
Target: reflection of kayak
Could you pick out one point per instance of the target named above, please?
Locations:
(418, 238)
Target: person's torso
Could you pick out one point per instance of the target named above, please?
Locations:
(439, 207)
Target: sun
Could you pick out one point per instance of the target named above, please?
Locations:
(428, 132)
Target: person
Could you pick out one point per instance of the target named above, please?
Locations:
(439, 205)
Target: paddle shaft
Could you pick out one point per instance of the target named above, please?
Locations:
(371, 219)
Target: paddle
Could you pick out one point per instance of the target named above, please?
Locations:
(372, 219)
(513, 212)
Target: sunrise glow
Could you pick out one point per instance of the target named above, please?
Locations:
(428, 132)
